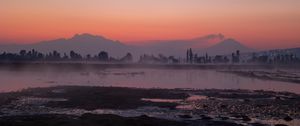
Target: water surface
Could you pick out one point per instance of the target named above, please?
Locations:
(11, 80)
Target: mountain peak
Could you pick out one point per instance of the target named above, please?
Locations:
(215, 36)
(85, 36)
(227, 46)
(230, 41)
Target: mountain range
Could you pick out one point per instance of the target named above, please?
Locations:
(214, 44)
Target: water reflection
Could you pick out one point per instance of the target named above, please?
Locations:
(144, 78)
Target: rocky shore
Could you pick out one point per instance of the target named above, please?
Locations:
(110, 106)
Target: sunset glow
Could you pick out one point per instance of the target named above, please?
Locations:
(257, 23)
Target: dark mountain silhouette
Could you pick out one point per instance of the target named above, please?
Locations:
(93, 44)
(81, 43)
(178, 47)
(200, 42)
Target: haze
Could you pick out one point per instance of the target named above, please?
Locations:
(262, 24)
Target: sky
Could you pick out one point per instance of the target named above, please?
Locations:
(260, 24)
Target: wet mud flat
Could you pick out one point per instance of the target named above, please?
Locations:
(109, 106)
(85, 120)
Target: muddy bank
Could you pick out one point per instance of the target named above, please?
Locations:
(101, 120)
(85, 120)
(161, 106)
(90, 98)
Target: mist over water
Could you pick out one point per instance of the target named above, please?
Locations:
(17, 79)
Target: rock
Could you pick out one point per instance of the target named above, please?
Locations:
(246, 100)
(144, 116)
(242, 117)
(258, 124)
(281, 125)
(278, 98)
(204, 117)
(288, 118)
(185, 116)
(246, 118)
(224, 118)
(223, 106)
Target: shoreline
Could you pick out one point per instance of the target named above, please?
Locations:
(83, 64)
(210, 106)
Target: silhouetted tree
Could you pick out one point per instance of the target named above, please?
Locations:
(127, 58)
(65, 57)
(238, 56)
(22, 53)
(206, 58)
(191, 55)
(172, 59)
(232, 58)
(88, 57)
(75, 56)
(103, 56)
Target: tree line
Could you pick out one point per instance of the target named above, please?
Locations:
(33, 55)
(237, 58)
(191, 58)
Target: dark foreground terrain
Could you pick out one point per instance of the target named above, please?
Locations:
(85, 120)
(116, 106)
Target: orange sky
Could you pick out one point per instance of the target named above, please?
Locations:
(257, 23)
